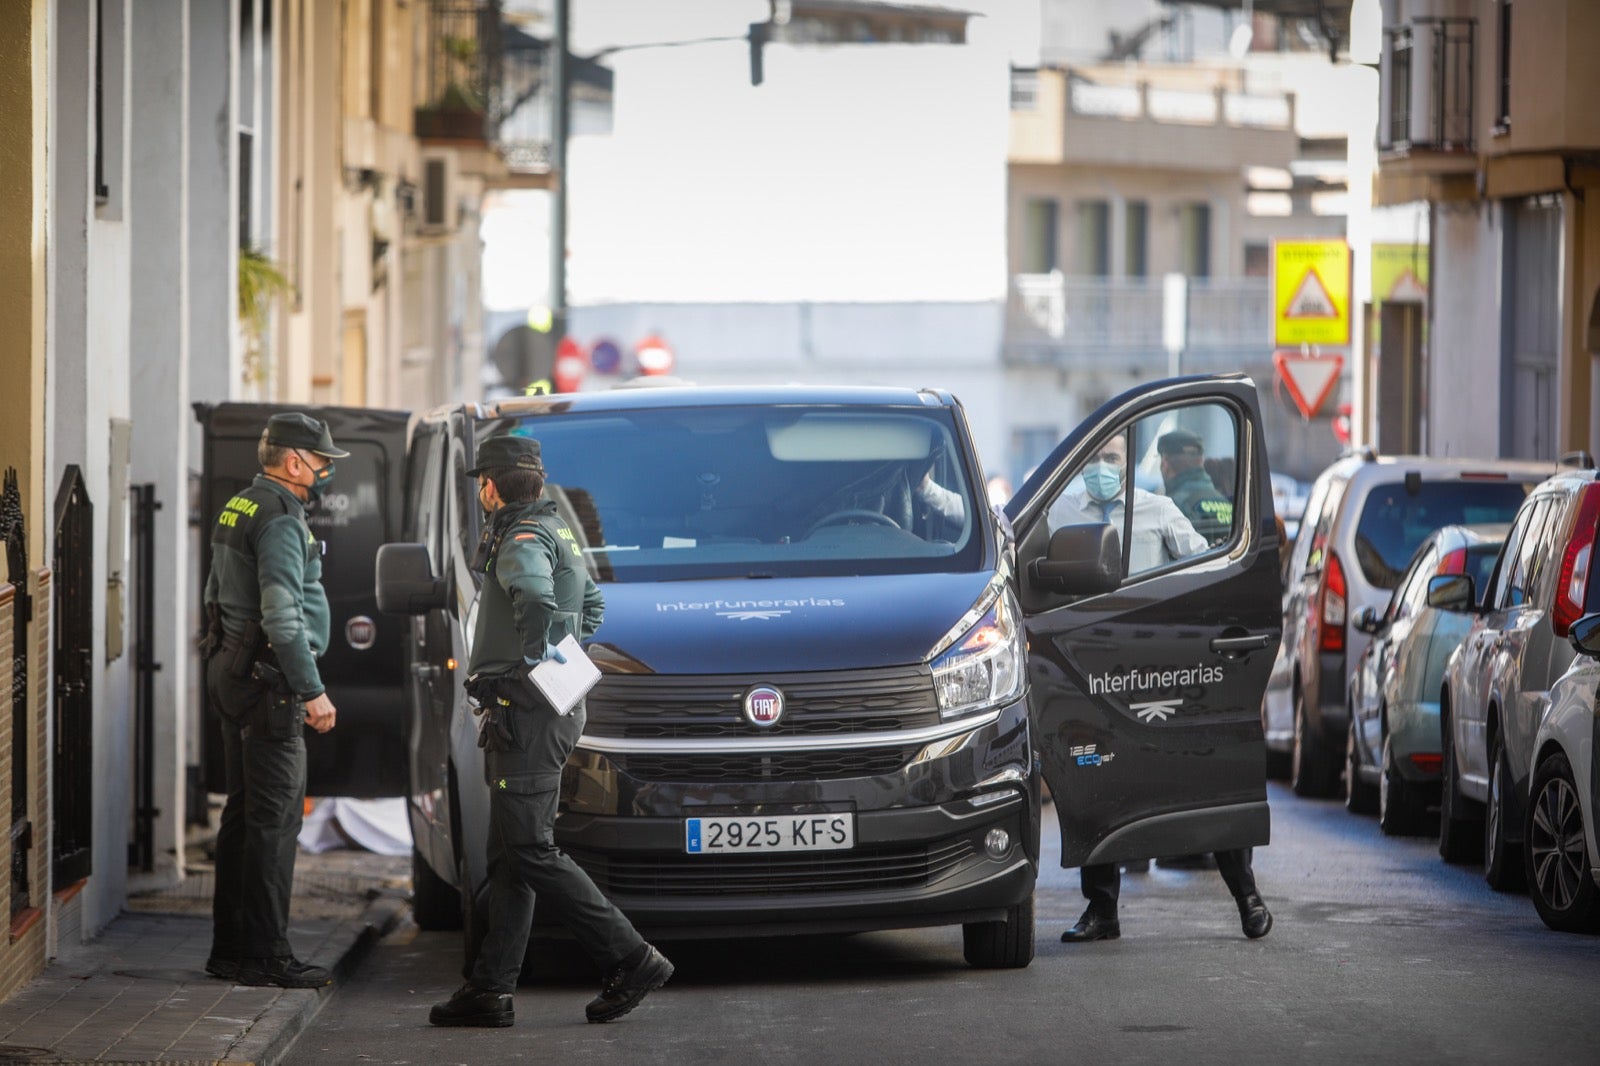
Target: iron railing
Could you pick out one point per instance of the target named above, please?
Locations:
(141, 848)
(1432, 64)
(13, 532)
(73, 755)
(461, 71)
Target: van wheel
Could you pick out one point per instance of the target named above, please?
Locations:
(435, 903)
(1399, 806)
(1557, 856)
(1359, 797)
(1502, 860)
(1312, 771)
(1005, 945)
(1460, 836)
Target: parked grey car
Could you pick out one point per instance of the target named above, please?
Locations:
(1392, 749)
(1497, 685)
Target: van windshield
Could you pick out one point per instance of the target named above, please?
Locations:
(762, 491)
(1394, 521)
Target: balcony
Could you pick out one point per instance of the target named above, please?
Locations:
(1427, 93)
(1101, 118)
(1076, 323)
(461, 73)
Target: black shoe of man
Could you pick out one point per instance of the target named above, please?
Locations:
(222, 966)
(1092, 926)
(1254, 916)
(284, 971)
(475, 1007)
(633, 978)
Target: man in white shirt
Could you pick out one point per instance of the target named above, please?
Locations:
(1161, 534)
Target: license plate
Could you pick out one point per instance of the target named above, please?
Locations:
(783, 832)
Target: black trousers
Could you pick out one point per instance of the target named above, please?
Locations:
(524, 863)
(264, 758)
(1102, 882)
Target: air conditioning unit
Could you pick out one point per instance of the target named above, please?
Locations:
(441, 210)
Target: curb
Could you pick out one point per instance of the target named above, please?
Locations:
(275, 1032)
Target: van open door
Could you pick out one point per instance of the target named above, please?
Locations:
(363, 669)
(1147, 569)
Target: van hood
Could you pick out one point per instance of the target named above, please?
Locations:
(780, 625)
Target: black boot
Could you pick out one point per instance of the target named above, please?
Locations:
(1092, 926)
(1254, 916)
(475, 1007)
(223, 966)
(284, 971)
(629, 982)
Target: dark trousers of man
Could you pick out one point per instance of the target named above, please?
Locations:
(264, 755)
(524, 784)
(1102, 882)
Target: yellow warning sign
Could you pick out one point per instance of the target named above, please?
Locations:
(1399, 273)
(1310, 293)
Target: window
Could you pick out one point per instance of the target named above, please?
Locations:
(1257, 261)
(1413, 592)
(1394, 520)
(1136, 239)
(1502, 107)
(1194, 235)
(1039, 236)
(1093, 238)
(1400, 89)
(1523, 580)
(1178, 510)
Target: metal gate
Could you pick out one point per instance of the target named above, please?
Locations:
(13, 533)
(74, 668)
(141, 849)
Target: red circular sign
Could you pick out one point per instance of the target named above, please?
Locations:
(654, 355)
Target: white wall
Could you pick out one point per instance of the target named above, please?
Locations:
(1464, 331)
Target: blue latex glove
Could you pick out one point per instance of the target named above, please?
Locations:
(551, 652)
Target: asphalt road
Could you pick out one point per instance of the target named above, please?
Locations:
(1380, 952)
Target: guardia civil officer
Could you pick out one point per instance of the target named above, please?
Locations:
(1187, 484)
(269, 624)
(535, 592)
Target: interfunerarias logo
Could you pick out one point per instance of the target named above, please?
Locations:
(1153, 680)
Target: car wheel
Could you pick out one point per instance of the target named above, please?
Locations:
(1359, 797)
(1399, 806)
(435, 903)
(1460, 836)
(1560, 877)
(1502, 863)
(1003, 945)
(1312, 771)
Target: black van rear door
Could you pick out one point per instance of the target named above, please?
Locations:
(1146, 697)
(363, 669)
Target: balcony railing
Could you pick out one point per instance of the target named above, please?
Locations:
(1211, 107)
(1429, 86)
(461, 71)
(1067, 321)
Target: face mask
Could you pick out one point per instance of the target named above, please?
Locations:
(320, 480)
(1103, 481)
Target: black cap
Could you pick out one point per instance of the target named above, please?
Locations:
(519, 453)
(294, 429)
(1178, 441)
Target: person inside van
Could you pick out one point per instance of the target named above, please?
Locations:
(1161, 533)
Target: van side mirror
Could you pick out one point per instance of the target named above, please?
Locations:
(405, 581)
(1367, 620)
(1585, 635)
(1451, 592)
(1082, 560)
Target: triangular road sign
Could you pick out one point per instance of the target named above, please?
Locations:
(1309, 378)
(1408, 287)
(1311, 298)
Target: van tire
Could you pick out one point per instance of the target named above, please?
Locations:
(1004, 945)
(435, 903)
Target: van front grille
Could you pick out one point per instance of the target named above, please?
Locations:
(764, 766)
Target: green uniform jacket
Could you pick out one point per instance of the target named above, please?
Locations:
(266, 566)
(1208, 510)
(536, 590)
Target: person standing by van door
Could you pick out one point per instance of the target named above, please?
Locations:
(535, 593)
(268, 626)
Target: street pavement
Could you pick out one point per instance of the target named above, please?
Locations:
(1380, 952)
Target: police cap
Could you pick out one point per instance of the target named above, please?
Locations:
(295, 429)
(518, 453)
(1180, 441)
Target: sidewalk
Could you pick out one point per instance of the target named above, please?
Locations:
(138, 992)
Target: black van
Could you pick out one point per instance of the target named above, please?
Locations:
(833, 674)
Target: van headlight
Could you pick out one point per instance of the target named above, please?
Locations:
(984, 666)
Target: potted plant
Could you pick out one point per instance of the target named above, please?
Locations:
(261, 282)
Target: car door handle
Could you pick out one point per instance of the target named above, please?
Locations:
(425, 671)
(1235, 645)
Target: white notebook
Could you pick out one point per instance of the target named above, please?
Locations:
(564, 684)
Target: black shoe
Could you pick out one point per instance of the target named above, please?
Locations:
(1254, 916)
(629, 983)
(285, 971)
(476, 1007)
(223, 966)
(1092, 927)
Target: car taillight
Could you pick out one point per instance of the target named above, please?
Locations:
(1428, 763)
(1574, 581)
(1331, 637)
(1453, 563)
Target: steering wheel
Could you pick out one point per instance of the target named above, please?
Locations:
(877, 518)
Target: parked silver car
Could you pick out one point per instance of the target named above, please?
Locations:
(1366, 516)
(1392, 748)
